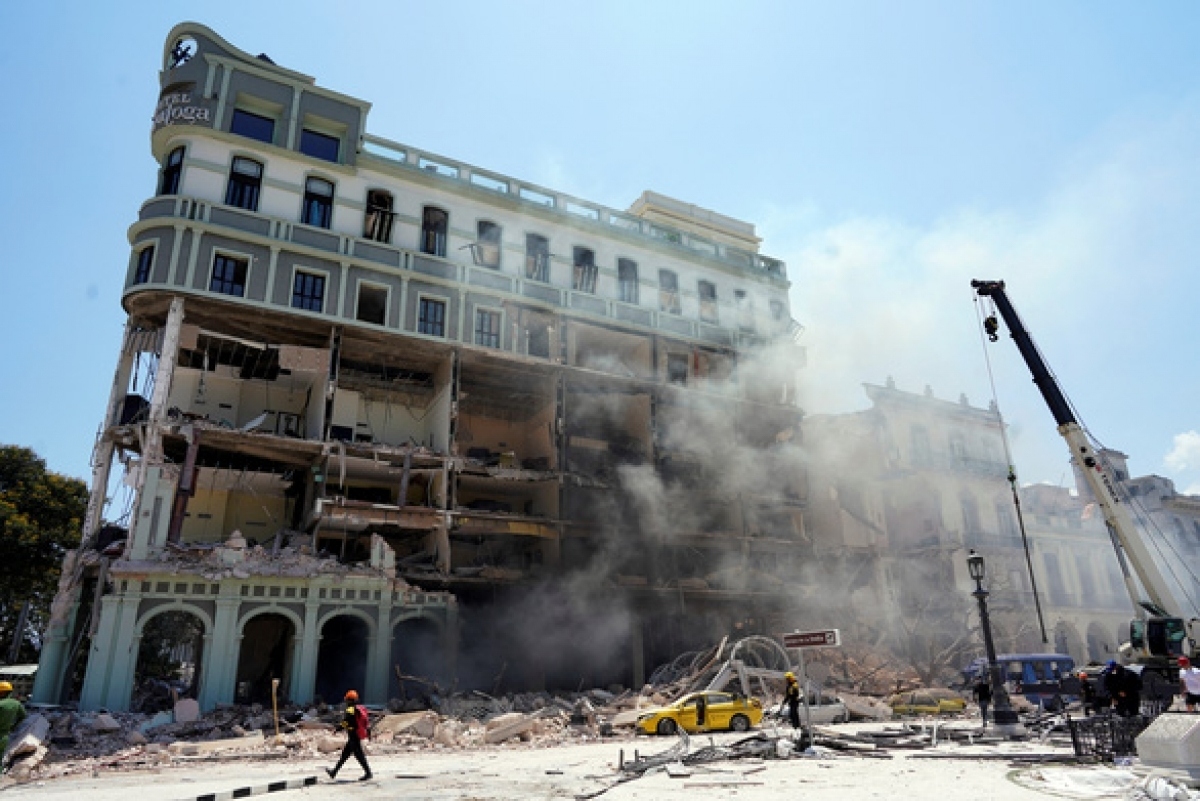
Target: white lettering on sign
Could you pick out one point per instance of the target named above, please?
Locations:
(812, 639)
(177, 107)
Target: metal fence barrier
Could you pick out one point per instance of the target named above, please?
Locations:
(1106, 737)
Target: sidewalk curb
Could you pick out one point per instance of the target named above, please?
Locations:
(257, 789)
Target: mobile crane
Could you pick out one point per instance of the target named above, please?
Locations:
(1158, 635)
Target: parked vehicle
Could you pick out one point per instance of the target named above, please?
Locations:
(721, 711)
(1047, 680)
(823, 709)
(928, 701)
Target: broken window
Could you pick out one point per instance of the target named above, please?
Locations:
(537, 338)
(487, 246)
(745, 309)
(252, 126)
(677, 368)
(372, 304)
(172, 171)
(145, 260)
(319, 145)
(434, 225)
(627, 280)
(668, 292)
(245, 181)
(487, 328)
(777, 310)
(377, 225)
(708, 301)
(431, 317)
(228, 275)
(318, 203)
(537, 257)
(585, 270)
(308, 291)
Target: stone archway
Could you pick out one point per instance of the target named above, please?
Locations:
(265, 656)
(418, 649)
(1101, 644)
(342, 657)
(170, 653)
(1067, 640)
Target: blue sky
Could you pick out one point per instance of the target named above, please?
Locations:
(889, 152)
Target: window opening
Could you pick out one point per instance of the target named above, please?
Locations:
(245, 180)
(308, 291)
(487, 246)
(319, 145)
(434, 224)
(171, 173)
(372, 304)
(745, 309)
(585, 270)
(431, 318)
(537, 257)
(377, 225)
(318, 203)
(145, 260)
(252, 126)
(228, 276)
(668, 292)
(487, 328)
(677, 368)
(777, 310)
(627, 280)
(708, 301)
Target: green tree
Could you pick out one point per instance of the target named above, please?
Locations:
(41, 515)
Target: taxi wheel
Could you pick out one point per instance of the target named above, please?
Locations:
(739, 723)
(666, 726)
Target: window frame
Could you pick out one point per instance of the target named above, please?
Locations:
(310, 133)
(141, 272)
(537, 264)
(317, 209)
(244, 259)
(358, 296)
(627, 290)
(476, 333)
(422, 322)
(583, 274)
(248, 192)
(707, 292)
(377, 219)
(488, 246)
(171, 175)
(668, 297)
(433, 242)
(239, 110)
(312, 273)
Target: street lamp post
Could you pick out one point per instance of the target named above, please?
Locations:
(1004, 715)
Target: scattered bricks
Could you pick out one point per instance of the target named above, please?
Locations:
(422, 723)
(105, 723)
(504, 727)
(209, 746)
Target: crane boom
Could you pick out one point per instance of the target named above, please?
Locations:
(1092, 467)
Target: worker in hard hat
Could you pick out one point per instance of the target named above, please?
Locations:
(791, 696)
(355, 724)
(11, 713)
(1189, 683)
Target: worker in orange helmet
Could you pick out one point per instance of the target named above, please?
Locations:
(355, 724)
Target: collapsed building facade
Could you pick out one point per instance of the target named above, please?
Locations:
(382, 413)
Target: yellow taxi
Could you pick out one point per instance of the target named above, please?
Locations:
(929, 701)
(703, 711)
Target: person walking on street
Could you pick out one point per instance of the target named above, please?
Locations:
(791, 695)
(1189, 683)
(354, 722)
(983, 696)
(11, 713)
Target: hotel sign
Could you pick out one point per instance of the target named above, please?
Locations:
(178, 107)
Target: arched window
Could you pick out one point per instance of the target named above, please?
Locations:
(245, 181)
(487, 244)
(318, 203)
(584, 278)
(435, 223)
(377, 225)
(172, 172)
(668, 292)
(627, 280)
(537, 257)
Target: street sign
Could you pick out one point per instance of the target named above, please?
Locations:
(812, 639)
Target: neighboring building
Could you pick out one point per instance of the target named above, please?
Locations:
(906, 488)
(388, 414)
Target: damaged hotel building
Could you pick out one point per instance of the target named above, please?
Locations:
(382, 413)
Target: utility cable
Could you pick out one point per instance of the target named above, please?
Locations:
(1012, 473)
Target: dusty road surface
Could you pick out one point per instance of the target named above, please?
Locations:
(517, 773)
